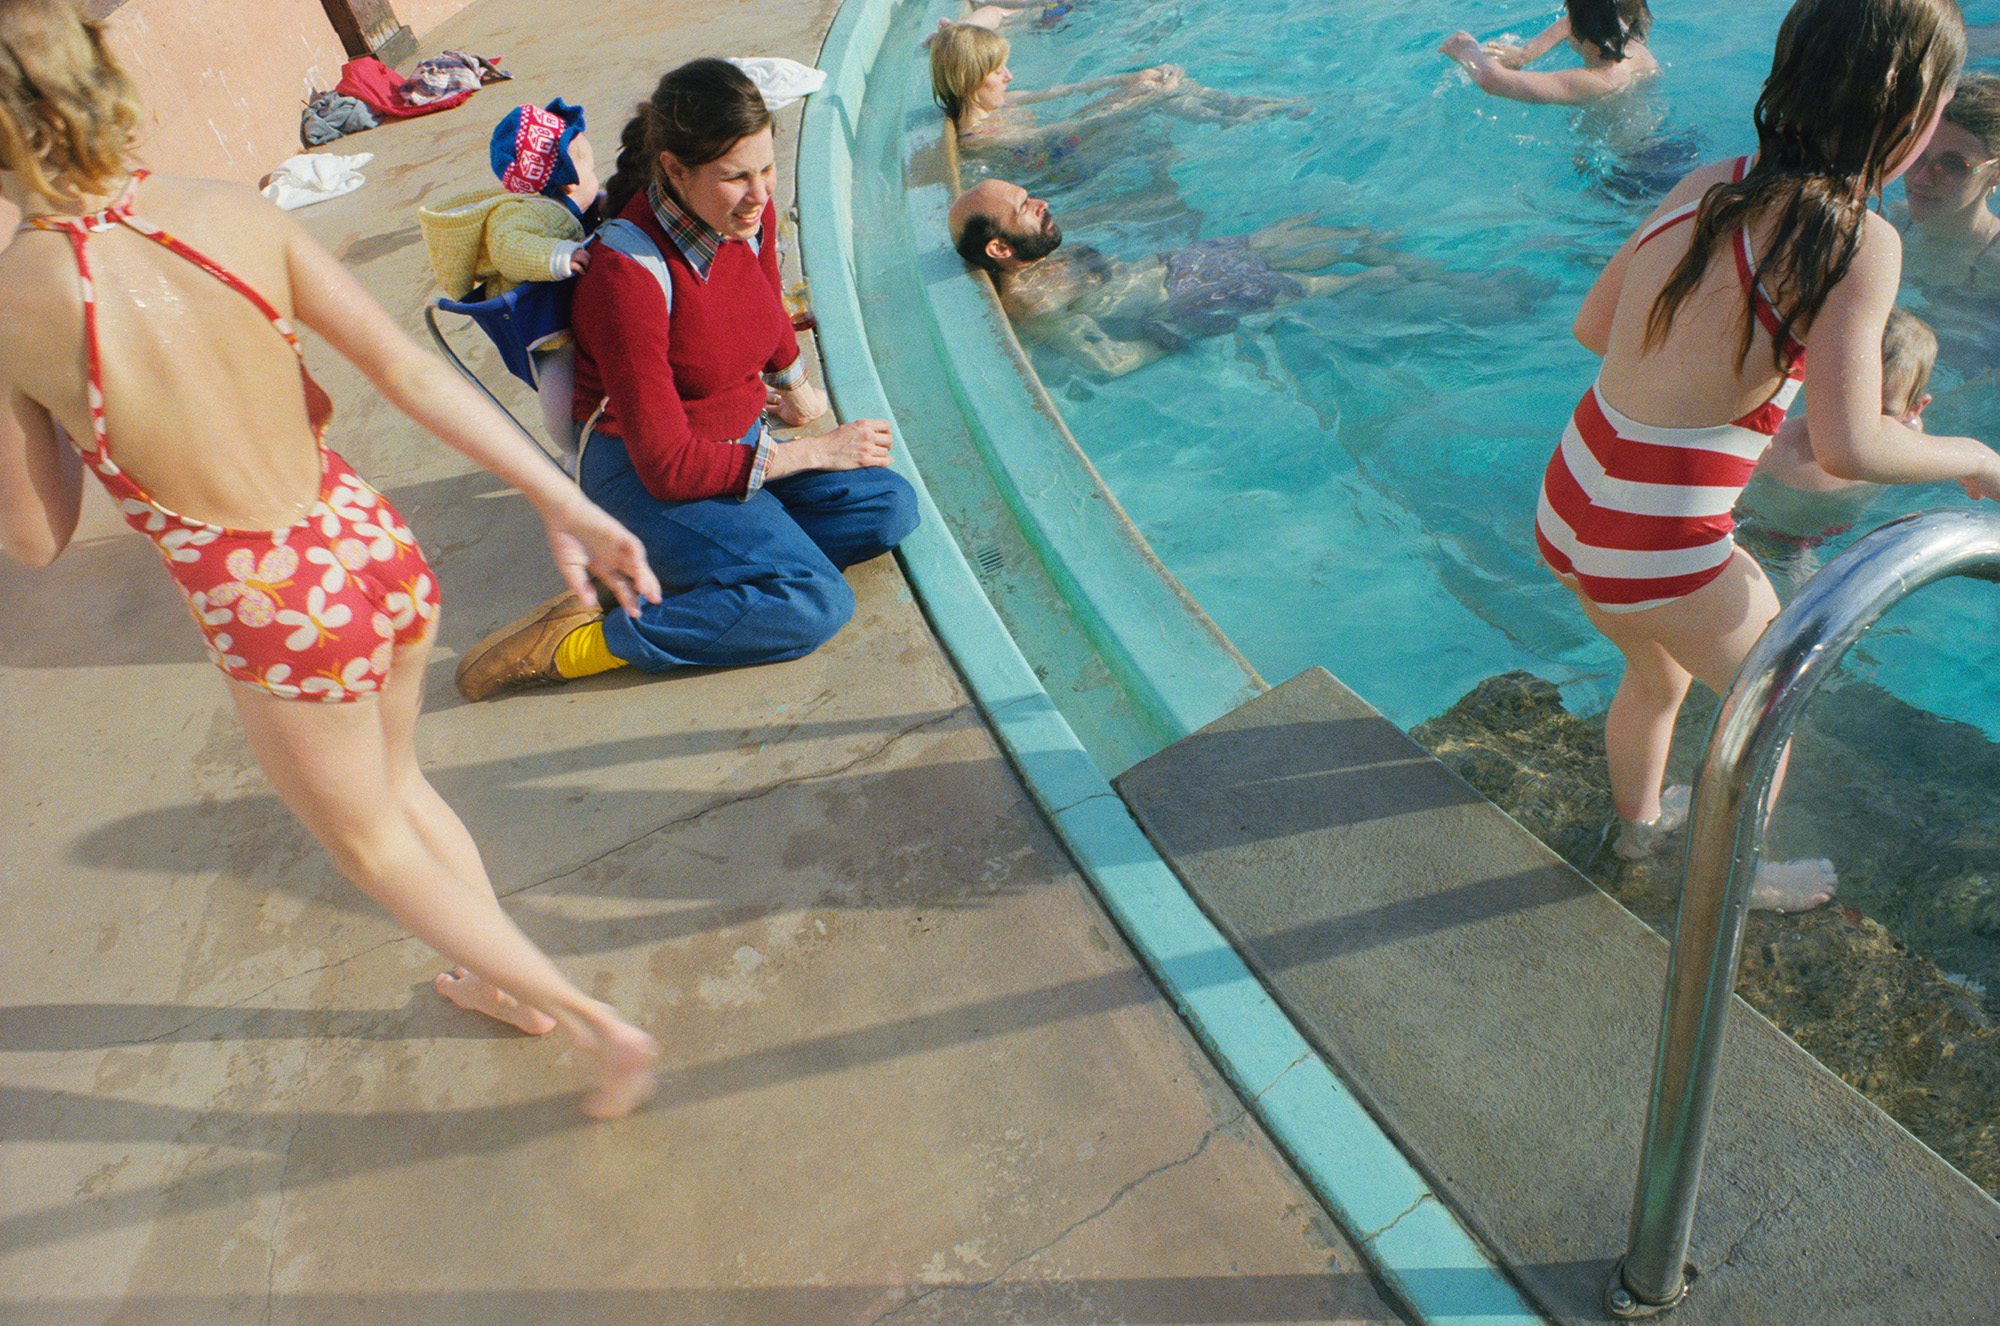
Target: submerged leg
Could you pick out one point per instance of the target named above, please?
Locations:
(1705, 637)
(1208, 105)
(1298, 244)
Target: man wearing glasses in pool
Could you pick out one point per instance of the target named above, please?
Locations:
(1116, 316)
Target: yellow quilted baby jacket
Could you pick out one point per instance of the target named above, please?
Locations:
(494, 235)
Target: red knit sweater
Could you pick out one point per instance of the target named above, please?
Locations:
(682, 387)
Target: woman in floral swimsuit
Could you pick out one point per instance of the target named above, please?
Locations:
(148, 319)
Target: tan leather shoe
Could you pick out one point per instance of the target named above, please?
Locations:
(523, 653)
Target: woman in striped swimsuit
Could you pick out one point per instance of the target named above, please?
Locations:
(1702, 319)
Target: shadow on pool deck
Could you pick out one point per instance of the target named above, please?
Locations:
(911, 1068)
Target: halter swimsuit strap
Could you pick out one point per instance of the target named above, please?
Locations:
(1688, 209)
(120, 213)
(1746, 268)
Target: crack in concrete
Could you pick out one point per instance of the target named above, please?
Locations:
(745, 798)
(1749, 1230)
(1282, 1074)
(235, 1004)
(1371, 1235)
(874, 752)
(1126, 1190)
(1094, 796)
(278, 1190)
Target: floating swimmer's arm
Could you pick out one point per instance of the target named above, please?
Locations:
(1851, 437)
(1079, 336)
(1089, 85)
(1103, 112)
(1565, 87)
(1514, 57)
(41, 483)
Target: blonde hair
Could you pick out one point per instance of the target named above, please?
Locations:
(1909, 350)
(962, 56)
(66, 107)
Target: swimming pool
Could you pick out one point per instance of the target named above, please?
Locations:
(1350, 481)
(1278, 471)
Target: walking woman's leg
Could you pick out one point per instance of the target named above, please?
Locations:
(348, 772)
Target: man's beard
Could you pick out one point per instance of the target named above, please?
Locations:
(1035, 247)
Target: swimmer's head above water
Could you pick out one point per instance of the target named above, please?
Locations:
(1609, 24)
(1950, 183)
(964, 56)
(997, 226)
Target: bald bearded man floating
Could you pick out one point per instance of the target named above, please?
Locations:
(1115, 316)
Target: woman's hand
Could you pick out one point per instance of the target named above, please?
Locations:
(858, 445)
(1462, 46)
(1506, 53)
(801, 405)
(587, 544)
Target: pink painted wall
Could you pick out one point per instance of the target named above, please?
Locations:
(223, 81)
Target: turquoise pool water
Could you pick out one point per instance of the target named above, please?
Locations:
(1350, 481)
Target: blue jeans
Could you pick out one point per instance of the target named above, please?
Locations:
(745, 582)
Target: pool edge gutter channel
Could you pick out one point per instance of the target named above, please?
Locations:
(1427, 1258)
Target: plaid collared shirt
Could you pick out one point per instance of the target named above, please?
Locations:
(690, 234)
(699, 243)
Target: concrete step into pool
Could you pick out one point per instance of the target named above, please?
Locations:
(1498, 1013)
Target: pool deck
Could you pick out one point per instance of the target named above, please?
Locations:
(913, 1074)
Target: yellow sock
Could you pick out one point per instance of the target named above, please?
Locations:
(584, 651)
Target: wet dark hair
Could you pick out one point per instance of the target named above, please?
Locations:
(971, 242)
(1609, 24)
(1976, 109)
(698, 112)
(981, 228)
(1852, 83)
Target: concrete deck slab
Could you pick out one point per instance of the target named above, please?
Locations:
(1500, 1013)
(913, 1075)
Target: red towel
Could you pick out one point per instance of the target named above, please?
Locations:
(367, 79)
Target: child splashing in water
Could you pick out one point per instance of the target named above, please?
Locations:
(1753, 275)
(148, 319)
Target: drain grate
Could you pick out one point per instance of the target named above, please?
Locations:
(990, 559)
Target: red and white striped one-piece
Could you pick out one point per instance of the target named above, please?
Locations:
(1639, 514)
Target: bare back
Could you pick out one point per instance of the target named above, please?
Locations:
(1690, 379)
(204, 403)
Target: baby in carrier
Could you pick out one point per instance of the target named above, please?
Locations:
(534, 228)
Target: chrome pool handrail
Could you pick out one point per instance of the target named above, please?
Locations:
(1784, 669)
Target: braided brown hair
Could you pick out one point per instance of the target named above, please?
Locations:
(697, 113)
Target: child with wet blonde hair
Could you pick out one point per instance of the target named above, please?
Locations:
(150, 320)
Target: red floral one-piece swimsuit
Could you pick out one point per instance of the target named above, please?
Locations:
(314, 611)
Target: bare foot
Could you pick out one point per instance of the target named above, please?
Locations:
(625, 1060)
(1636, 841)
(461, 987)
(1792, 886)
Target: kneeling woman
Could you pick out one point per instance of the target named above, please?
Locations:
(674, 371)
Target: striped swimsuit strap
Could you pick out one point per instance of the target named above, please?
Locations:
(1746, 264)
